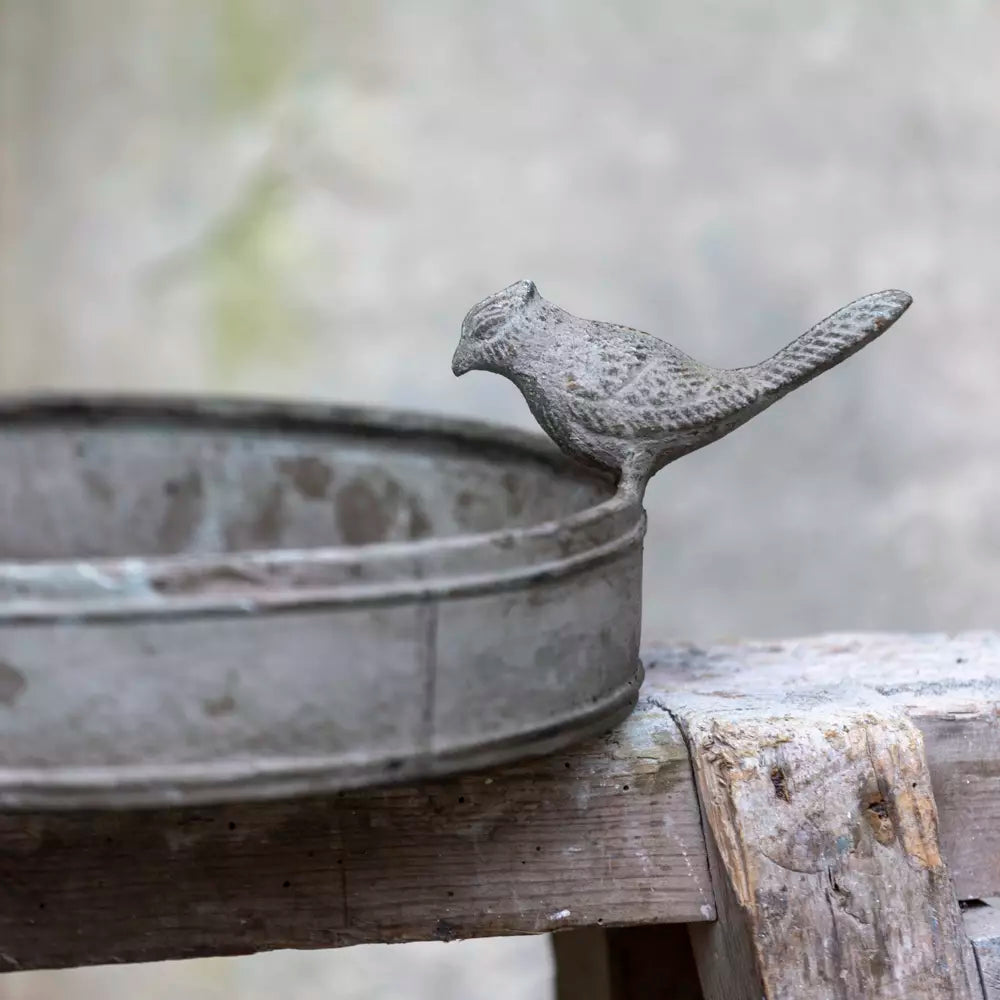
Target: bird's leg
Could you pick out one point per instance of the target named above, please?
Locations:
(633, 479)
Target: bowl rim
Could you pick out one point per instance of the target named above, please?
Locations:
(251, 581)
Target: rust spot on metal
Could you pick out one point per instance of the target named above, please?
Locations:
(97, 486)
(263, 522)
(185, 506)
(220, 578)
(420, 522)
(513, 487)
(12, 684)
(219, 706)
(266, 527)
(361, 514)
(310, 476)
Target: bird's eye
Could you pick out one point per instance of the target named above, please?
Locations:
(481, 324)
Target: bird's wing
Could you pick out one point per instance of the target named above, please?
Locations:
(607, 361)
(669, 393)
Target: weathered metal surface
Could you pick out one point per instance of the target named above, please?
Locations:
(202, 601)
(626, 401)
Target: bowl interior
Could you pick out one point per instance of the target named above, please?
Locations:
(91, 480)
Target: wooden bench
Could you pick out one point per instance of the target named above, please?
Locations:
(795, 819)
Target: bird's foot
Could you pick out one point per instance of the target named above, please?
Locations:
(632, 483)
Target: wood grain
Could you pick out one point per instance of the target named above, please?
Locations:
(606, 835)
(948, 685)
(963, 753)
(609, 834)
(982, 924)
(824, 852)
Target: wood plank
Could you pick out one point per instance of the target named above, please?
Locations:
(982, 924)
(963, 753)
(609, 834)
(948, 685)
(824, 852)
(653, 962)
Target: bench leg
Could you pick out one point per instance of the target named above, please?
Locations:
(822, 840)
(982, 924)
(625, 963)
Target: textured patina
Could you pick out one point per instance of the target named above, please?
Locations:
(208, 600)
(624, 400)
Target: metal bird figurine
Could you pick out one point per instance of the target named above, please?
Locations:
(624, 400)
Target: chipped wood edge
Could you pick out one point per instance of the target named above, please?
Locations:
(822, 839)
(949, 685)
(532, 848)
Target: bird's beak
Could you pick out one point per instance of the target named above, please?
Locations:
(462, 361)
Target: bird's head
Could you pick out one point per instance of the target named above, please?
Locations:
(490, 330)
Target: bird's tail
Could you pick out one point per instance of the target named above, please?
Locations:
(830, 341)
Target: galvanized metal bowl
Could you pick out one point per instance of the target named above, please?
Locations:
(214, 600)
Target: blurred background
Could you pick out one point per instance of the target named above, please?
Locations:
(302, 198)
